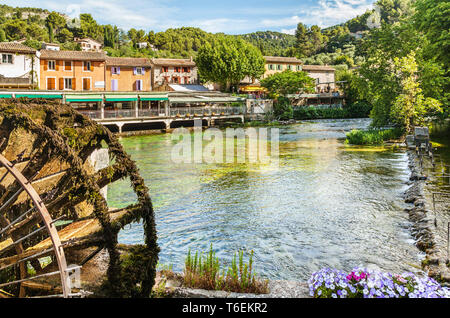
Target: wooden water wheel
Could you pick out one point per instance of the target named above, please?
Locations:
(52, 211)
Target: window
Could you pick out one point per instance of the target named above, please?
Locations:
(176, 80)
(177, 69)
(279, 67)
(299, 67)
(115, 85)
(51, 83)
(7, 59)
(52, 65)
(139, 71)
(289, 67)
(186, 69)
(271, 67)
(115, 70)
(186, 80)
(87, 67)
(68, 83)
(138, 85)
(165, 69)
(86, 83)
(67, 65)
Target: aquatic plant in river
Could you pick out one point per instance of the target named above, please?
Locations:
(365, 283)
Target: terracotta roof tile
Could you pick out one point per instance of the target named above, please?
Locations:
(173, 62)
(282, 59)
(128, 61)
(73, 55)
(15, 47)
(317, 68)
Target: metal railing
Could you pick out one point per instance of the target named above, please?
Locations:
(205, 111)
(120, 113)
(174, 112)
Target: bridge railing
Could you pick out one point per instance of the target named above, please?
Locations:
(174, 112)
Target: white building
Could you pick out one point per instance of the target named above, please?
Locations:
(51, 46)
(19, 66)
(88, 44)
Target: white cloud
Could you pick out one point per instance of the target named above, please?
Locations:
(331, 12)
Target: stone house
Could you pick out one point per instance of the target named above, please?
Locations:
(173, 71)
(324, 76)
(19, 66)
(128, 74)
(72, 70)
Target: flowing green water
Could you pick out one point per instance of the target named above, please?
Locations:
(328, 204)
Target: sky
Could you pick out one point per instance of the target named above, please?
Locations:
(228, 16)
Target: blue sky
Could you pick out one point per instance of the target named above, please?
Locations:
(228, 16)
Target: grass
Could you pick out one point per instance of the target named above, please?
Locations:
(204, 271)
(372, 136)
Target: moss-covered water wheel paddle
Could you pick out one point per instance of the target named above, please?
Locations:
(53, 213)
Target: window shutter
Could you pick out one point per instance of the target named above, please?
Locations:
(57, 65)
(74, 82)
(92, 67)
(143, 71)
(46, 65)
(118, 70)
(61, 83)
(134, 70)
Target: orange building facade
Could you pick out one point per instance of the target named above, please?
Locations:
(126, 74)
(72, 70)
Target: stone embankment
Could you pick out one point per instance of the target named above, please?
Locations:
(424, 228)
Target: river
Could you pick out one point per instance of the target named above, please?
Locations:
(327, 205)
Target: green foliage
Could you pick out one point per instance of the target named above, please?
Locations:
(358, 109)
(228, 60)
(373, 136)
(272, 43)
(204, 271)
(282, 108)
(309, 40)
(288, 82)
(350, 84)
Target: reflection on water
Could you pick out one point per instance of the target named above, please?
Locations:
(328, 204)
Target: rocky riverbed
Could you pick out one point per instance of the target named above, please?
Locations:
(425, 223)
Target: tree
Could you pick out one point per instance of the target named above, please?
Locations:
(54, 23)
(397, 78)
(302, 40)
(410, 106)
(64, 36)
(432, 17)
(229, 60)
(15, 29)
(90, 28)
(288, 82)
(2, 35)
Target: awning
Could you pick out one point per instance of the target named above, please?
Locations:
(154, 97)
(84, 98)
(253, 89)
(5, 95)
(53, 96)
(120, 98)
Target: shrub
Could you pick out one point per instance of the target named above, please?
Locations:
(372, 136)
(203, 271)
(364, 283)
(358, 109)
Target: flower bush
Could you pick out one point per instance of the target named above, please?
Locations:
(364, 283)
